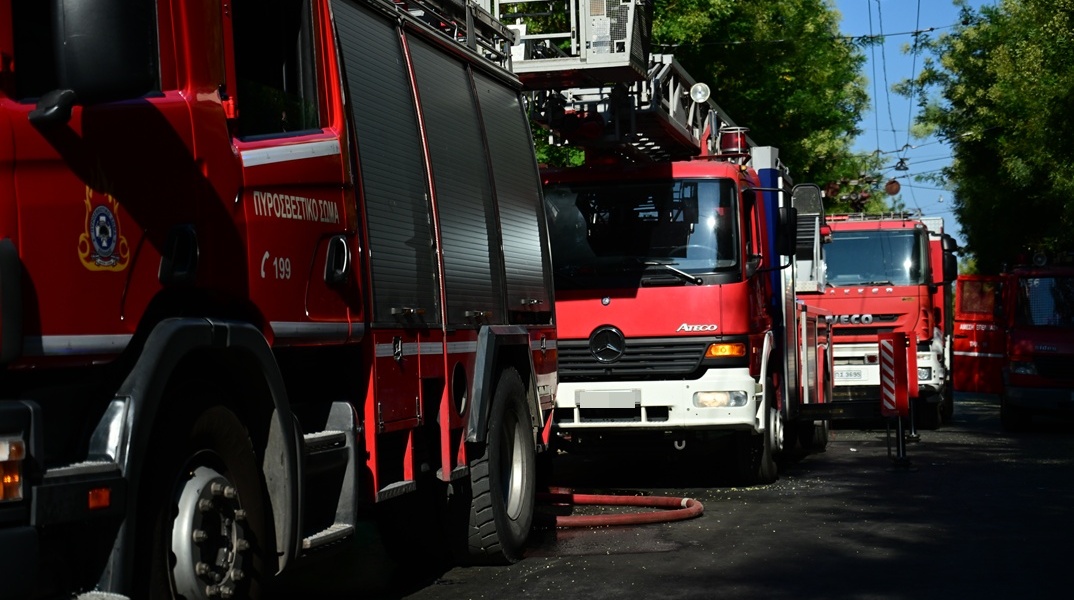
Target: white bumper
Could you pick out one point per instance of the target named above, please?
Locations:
(658, 405)
(859, 374)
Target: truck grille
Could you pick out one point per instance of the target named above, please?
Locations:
(649, 358)
(880, 324)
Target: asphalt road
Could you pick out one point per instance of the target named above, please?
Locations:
(980, 514)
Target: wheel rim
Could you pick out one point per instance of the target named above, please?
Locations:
(513, 468)
(208, 536)
(777, 429)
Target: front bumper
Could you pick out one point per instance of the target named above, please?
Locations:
(658, 405)
(851, 371)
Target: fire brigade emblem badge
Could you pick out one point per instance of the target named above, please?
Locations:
(101, 247)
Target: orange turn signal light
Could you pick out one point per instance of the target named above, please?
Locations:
(725, 350)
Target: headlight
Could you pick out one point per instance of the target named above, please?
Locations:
(719, 399)
(1019, 367)
(924, 373)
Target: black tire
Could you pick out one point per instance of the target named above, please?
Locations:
(503, 479)
(203, 504)
(813, 435)
(948, 411)
(755, 454)
(1013, 418)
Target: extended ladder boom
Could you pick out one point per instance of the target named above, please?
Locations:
(596, 86)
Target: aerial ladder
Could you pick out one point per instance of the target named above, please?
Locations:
(595, 84)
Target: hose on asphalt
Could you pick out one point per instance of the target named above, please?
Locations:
(675, 509)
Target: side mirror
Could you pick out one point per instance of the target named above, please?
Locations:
(950, 267)
(105, 51)
(787, 231)
(807, 198)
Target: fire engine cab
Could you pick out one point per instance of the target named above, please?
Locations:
(681, 278)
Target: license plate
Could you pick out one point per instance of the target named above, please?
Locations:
(608, 398)
(847, 374)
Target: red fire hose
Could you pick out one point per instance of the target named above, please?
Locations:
(682, 508)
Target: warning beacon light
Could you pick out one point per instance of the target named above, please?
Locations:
(733, 140)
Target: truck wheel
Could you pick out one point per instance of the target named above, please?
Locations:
(755, 454)
(948, 410)
(207, 536)
(503, 479)
(813, 435)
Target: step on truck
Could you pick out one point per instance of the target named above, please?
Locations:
(681, 280)
(264, 265)
(891, 273)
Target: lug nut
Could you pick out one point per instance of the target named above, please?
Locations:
(240, 515)
(216, 488)
(230, 492)
(205, 505)
(200, 536)
(241, 545)
(201, 568)
(236, 574)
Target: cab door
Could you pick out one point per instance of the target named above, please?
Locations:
(288, 131)
(979, 338)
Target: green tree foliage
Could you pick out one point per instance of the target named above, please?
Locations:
(780, 68)
(1001, 91)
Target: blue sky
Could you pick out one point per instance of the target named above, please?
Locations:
(885, 125)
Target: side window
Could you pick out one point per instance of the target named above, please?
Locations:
(749, 204)
(35, 73)
(275, 67)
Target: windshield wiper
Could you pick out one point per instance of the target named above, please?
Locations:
(680, 274)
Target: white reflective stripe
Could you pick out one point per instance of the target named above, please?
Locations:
(301, 330)
(74, 344)
(461, 347)
(981, 354)
(279, 154)
(427, 348)
(385, 350)
(431, 347)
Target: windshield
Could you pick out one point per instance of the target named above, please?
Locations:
(615, 227)
(884, 257)
(1046, 301)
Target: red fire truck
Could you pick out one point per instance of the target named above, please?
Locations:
(885, 273)
(675, 256)
(263, 264)
(1018, 327)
